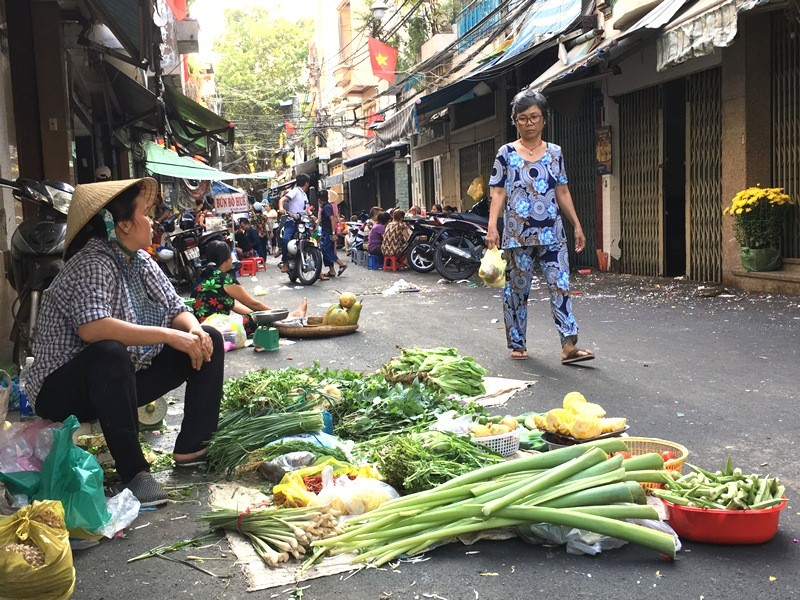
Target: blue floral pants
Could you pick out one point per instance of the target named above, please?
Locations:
(553, 263)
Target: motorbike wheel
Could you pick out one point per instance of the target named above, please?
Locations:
(454, 267)
(419, 257)
(309, 265)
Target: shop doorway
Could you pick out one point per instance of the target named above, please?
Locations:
(674, 178)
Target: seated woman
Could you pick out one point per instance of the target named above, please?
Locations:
(113, 335)
(396, 235)
(376, 235)
(219, 292)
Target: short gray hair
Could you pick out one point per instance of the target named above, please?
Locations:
(527, 98)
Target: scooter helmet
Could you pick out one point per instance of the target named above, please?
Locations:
(165, 254)
(102, 173)
(187, 220)
(291, 247)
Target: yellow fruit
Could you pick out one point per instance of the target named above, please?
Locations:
(338, 316)
(559, 420)
(613, 424)
(479, 430)
(590, 408)
(498, 428)
(332, 390)
(328, 312)
(353, 313)
(347, 300)
(585, 426)
(540, 421)
(572, 399)
(510, 421)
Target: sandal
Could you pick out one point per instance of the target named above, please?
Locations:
(577, 355)
(324, 278)
(342, 268)
(519, 354)
(147, 490)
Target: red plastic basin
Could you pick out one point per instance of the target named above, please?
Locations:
(724, 526)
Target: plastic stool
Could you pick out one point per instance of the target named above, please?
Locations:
(373, 263)
(361, 257)
(393, 263)
(261, 264)
(248, 267)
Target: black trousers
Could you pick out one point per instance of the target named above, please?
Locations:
(100, 383)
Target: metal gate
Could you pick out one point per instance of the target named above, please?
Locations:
(576, 136)
(786, 122)
(704, 175)
(640, 182)
(474, 160)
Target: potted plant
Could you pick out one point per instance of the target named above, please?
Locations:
(759, 214)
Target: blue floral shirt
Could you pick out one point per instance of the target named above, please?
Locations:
(532, 216)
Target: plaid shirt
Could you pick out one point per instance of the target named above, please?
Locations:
(97, 283)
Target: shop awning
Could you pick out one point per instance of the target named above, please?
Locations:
(399, 126)
(707, 25)
(353, 173)
(543, 21)
(308, 167)
(335, 179)
(589, 53)
(129, 24)
(192, 122)
(130, 100)
(162, 161)
(377, 155)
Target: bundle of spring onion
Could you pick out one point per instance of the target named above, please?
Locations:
(240, 433)
(577, 486)
(276, 533)
(441, 368)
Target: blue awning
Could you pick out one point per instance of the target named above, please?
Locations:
(544, 21)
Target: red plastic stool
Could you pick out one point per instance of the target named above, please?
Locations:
(261, 264)
(248, 267)
(393, 263)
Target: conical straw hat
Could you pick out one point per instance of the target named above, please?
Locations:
(89, 198)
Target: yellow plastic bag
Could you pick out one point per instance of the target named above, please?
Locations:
(292, 491)
(493, 268)
(42, 524)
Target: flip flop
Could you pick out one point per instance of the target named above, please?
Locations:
(324, 278)
(341, 269)
(520, 355)
(576, 357)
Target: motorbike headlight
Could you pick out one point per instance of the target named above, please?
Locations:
(61, 199)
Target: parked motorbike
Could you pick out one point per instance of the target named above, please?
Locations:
(37, 248)
(419, 251)
(461, 242)
(304, 262)
(182, 255)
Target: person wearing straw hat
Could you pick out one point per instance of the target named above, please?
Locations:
(114, 335)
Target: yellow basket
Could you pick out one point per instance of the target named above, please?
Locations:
(638, 446)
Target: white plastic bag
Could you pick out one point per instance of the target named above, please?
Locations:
(124, 508)
(493, 268)
(353, 496)
(447, 421)
(229, 324)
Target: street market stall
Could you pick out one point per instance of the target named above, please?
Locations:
(321, 471)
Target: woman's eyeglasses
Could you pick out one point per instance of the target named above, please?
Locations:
(524, 120)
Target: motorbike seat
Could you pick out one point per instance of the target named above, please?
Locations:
(471, 217)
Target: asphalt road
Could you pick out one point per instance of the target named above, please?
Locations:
(718, 374)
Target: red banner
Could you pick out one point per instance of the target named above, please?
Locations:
(383, 59)
(178, 8)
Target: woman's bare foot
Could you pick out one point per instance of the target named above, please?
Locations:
(301, 310)
(190, 459)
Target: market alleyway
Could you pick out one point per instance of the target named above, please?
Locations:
(717, 374)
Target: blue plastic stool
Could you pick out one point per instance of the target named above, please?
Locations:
(374, 263)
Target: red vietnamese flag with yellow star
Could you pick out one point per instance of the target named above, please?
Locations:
(383, 59)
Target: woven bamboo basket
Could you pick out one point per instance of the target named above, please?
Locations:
(638, 446)
(314, 329)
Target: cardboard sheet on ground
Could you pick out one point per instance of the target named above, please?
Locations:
(499, 390)
(259, 575)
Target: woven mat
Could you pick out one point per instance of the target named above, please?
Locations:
(259, 576)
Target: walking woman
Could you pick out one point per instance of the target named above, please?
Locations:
(529, 189)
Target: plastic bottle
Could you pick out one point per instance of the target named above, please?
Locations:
(25, 410)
